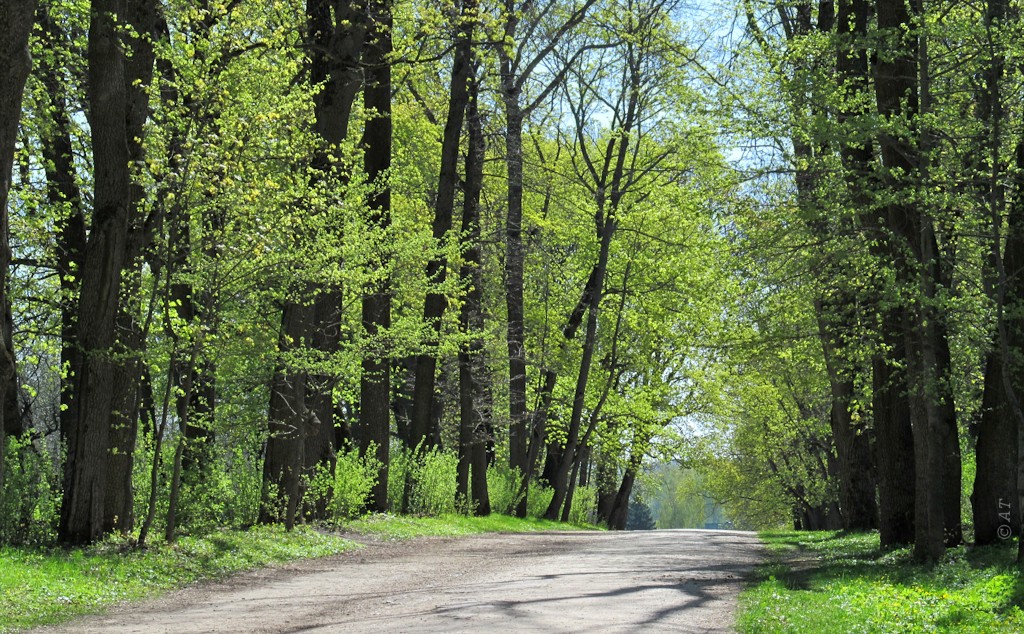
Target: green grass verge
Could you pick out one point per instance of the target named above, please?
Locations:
(828, 582)
(406, 527)
(39, 587)
(48, 586)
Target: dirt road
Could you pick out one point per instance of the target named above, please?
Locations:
(644, 581)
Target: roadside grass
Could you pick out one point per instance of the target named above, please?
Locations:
(45, 586)
(407, 527)
(825, 582)
(39, 587)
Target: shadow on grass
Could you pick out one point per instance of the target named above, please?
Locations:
(814, 562)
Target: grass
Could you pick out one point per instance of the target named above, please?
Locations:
(407, 527)
(43, 586)
(48, 586)
(827, 582)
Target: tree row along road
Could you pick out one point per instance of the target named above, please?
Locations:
(644, 581)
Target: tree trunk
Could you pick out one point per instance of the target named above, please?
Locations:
(89, 442)
(514, 263)
(301, 409)
(63, 193)
(434, 307)
(474, 411)
(607, 479)
(291, 422)
(375, 384)
(16, 20)
(619, 512)
(994, 498)
(335, 38)
(852, 439)
(607, 221)
(894, 442)
(915, 255)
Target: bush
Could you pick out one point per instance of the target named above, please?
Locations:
(538, 500)
(398, 471)
(434, 483)
(30, 499)
(225, 492)
(503, 488)
(584, 506)
(354, 478)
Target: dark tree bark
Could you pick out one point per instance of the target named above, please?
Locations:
(607, 221)
(855, 467)
(514, 264)
(16, 20)
(994, 499)
(607, 480)
(301, 410)
(852, 440)
(619, 512)
(515, 71)
(916, 258)
(89, 442)
(63, 194)
(129, 335)
(894, 441)
(375, 384)
(474, 410)
(291, 422)
(435, 304)
(335, 40)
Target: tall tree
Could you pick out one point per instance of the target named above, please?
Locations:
(375, 385)
(92, 504)
(435, 304)
(301, 410)
(474, 410)
(915, 255)
(994, 498)
(518, 62)
(16, 20)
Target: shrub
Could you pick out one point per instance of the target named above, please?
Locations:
(538, 500)
(398, 471)
(503, 488)
(584, 506)
(354, 478)
(434, 477)
(30, 499)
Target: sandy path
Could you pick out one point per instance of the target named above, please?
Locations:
(644, 581)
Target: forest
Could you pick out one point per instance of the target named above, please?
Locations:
(290, 261)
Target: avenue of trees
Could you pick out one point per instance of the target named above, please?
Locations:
(288, 260)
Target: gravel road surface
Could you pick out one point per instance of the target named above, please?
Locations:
(643, 581)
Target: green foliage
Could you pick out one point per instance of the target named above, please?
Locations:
(843, 583)
(584, 506)
(29, 500)
(434, 483)
(680, 499)
(409, 527)
(223, 492)
(345, 491)
(49, 586)
(639, 517)
(503, 488)
(539, 499)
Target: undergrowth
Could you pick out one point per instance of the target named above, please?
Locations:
(826, 582)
